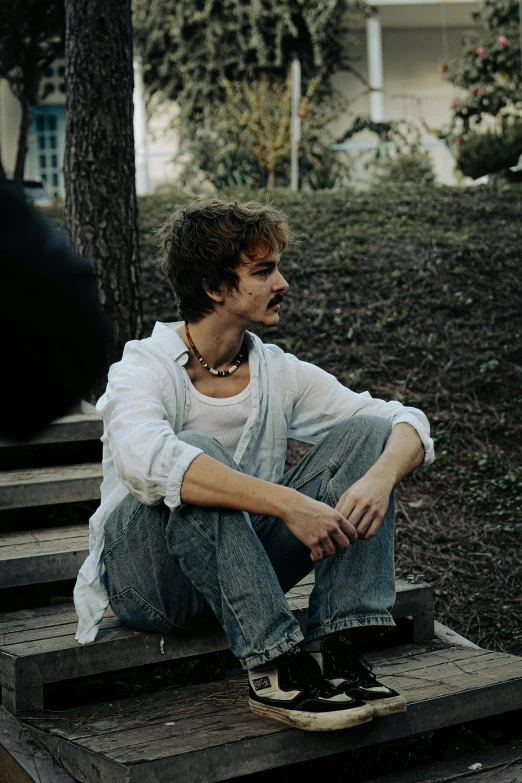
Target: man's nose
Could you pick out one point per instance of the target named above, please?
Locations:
(281, 283)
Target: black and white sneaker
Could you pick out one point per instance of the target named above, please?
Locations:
(291, 689)
(344, 667)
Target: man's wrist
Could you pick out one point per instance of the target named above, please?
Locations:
(384, 472)
(280, 500)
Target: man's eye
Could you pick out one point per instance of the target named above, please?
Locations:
(263, 272)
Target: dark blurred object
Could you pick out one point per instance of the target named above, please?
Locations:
(55, 336)
(512, 174)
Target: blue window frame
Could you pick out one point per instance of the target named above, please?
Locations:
(46, 134)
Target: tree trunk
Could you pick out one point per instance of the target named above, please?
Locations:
(21, 151)
(100, 187)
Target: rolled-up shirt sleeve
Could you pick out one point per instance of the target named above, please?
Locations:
(320, 402)
(149, 458)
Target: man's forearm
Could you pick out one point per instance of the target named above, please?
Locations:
(208, 482)
(403, 453)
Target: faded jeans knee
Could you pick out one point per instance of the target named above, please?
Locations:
(209, 445)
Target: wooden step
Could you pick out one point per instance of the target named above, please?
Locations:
(37, 646)
(206, 733)
(496, 765)
(77, 427)
(43, 486)
(21, 759)
(37, 556)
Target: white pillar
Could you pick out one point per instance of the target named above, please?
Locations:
(140, 134)
(375, 73)
(295, 129)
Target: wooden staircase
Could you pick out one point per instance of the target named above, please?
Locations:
(202, 732)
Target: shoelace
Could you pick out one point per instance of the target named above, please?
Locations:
(358, 665)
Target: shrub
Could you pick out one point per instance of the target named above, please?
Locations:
(413, 168)
(485, 153)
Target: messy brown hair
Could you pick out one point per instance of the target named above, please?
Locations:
(203, 243)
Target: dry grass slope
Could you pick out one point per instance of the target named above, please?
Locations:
(417, 296)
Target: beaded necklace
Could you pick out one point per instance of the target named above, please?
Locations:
(220, 373)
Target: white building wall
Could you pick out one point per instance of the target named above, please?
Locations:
(413, 88)
(9, 121)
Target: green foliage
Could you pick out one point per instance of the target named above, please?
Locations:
(406, 169)
(490, 151)
(489, 69)
(186, 47)
(31, 37)
(246, 139)
(191, 51)
(399, 155)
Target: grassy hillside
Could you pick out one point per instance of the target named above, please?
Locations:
(417, 297)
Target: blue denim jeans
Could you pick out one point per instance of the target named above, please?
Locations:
(169, 571)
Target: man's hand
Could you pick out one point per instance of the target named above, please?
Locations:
(365, 503)
(318, 526)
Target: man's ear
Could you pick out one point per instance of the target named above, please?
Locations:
(217, 296)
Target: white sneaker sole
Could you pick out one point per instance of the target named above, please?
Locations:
(384, 707)
(315, 721)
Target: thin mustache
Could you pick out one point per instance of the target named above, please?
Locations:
(276, 300)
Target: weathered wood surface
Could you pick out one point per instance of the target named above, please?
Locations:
(207, 733)
(76, 427)
(37, 556)
(497, 765)
(22, 760)
(38, 646)
(43, 486)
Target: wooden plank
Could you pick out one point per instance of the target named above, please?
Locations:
(39, 645)
(45, 534)
(497, 765)
(207, 733)
(452, 637)
(22, 760)
(43, 486)
(32, 633)
(38, 556)
(77, 427)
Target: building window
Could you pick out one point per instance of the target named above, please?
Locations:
(46, 146)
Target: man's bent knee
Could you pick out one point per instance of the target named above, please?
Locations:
(209, 445)
(364, 426)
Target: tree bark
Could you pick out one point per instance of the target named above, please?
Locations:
(21, 151)
(100, 186)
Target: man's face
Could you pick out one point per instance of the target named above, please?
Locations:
(261, 290)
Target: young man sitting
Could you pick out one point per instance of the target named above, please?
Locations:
(197, 519)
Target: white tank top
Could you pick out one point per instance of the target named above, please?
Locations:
(223, 418)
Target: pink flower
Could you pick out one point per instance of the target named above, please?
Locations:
(442, 66)
(502, 40)
(458, 142)
(454, 105)
(483, 90)
(481, 52)
(473, 90)
(459, 78)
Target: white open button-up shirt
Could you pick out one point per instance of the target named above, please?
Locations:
(145, 405)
